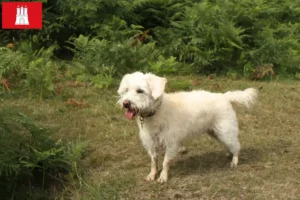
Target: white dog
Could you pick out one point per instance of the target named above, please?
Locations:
(167, 119)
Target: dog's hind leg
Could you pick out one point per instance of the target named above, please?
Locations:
(228, 135)
(212, 134)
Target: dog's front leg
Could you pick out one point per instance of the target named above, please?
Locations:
(171, 152)
(151, 146)
(153, 155)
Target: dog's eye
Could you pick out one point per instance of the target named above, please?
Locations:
(126, 90)
(140, 91)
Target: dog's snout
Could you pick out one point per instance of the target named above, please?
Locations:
(126, 104)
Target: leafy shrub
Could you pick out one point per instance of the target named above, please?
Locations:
(211, 36)
(105, 39)
(11, 62)
(34, 70)
(279, 46)
(203, 35)
(100, 60)
(164, 66)
(29, 156)
(41, 73)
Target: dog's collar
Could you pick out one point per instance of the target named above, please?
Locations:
(150, 114)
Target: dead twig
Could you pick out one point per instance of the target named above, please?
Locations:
(5, 83)
(79, 104)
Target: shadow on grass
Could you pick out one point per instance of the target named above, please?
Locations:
(213, 161)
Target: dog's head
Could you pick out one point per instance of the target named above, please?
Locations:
(139, 92)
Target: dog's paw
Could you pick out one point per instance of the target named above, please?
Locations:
(233, 165)
(234, 162)
(150, 177)
(163, 178)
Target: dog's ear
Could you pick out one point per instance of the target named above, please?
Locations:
(122, 84)
(157, 84)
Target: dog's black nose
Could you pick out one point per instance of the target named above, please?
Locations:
(126, 104)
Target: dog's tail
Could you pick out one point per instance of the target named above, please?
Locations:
(246, 98)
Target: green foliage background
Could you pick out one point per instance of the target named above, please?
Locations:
(185, 36)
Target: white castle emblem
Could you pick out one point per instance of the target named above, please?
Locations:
(22, 16)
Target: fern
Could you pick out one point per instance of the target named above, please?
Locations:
(26, 150)
(164, 66)
(113, 54)
(212, 36)
(11, 61)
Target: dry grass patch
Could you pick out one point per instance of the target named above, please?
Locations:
(116, 163)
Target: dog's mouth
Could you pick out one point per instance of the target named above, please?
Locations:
(130, 113)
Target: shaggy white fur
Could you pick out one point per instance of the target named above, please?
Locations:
(168, 119)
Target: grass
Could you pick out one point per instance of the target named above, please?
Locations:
(116, 162)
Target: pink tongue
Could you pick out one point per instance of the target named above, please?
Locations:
(129, 114)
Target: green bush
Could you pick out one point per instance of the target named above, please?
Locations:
(164, 66)
(211, 36)
(33, 70)
(105, 39)
(29, 156)
(100, 60)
